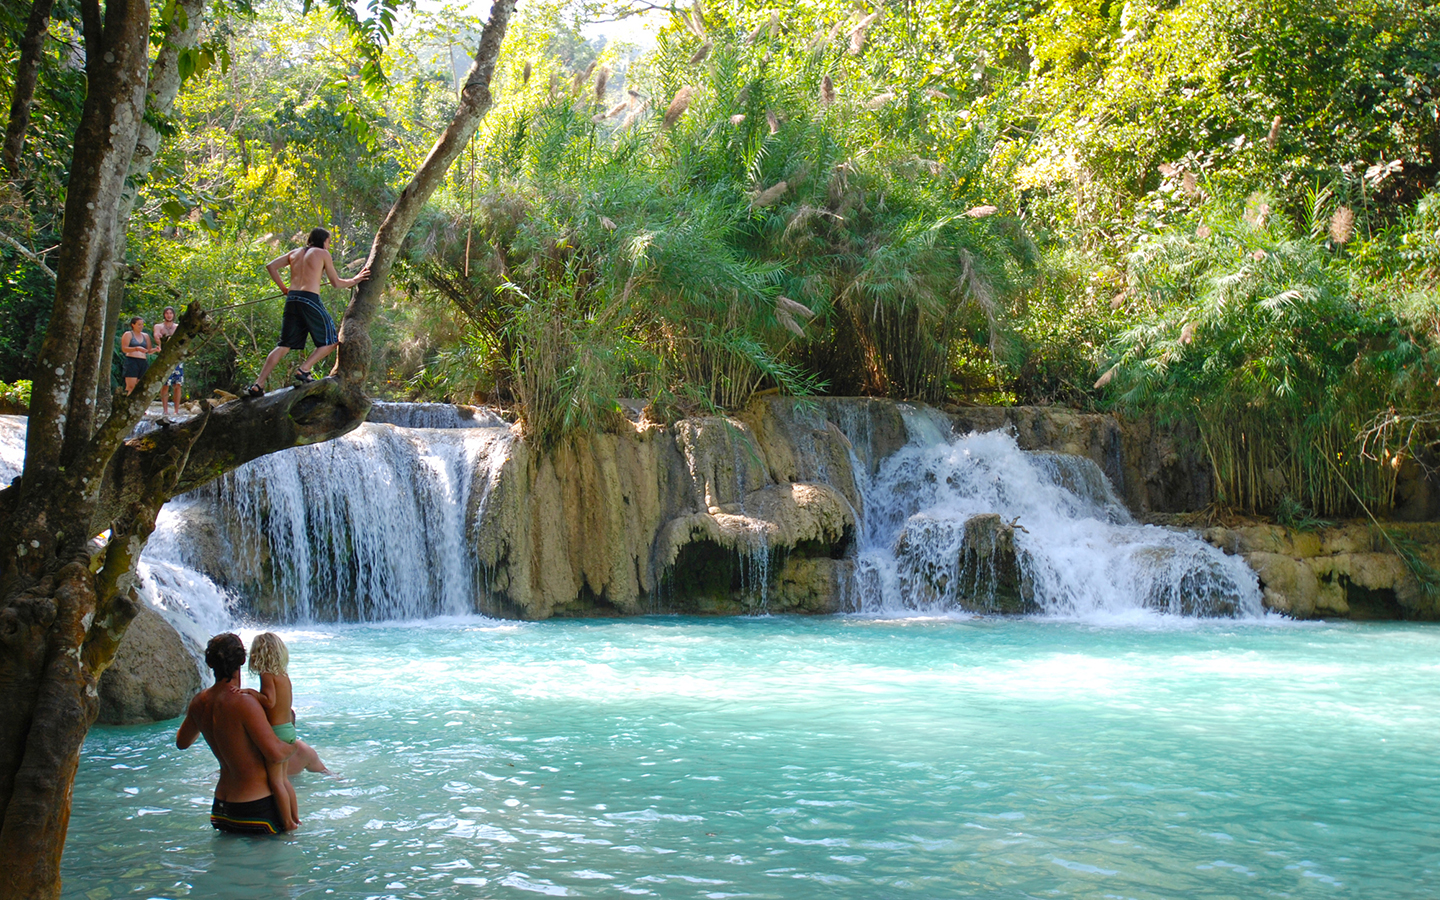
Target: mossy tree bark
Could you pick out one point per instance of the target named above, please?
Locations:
(75, 522)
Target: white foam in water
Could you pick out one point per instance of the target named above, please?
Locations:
(192, 603)
(1079, 552)
(369, 527)
(12, 448)
(433, 415)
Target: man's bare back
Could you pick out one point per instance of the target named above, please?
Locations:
(307, 265)
(230, 722)
(235, 727)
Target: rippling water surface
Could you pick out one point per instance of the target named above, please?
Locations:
(836, 757)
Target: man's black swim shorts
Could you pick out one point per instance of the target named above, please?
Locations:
(306, 316)
(253, 817)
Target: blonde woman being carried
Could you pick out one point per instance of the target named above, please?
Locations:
(269, 659)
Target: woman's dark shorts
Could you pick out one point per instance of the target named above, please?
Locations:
(253, 817)
(133, 367)
(306, 316)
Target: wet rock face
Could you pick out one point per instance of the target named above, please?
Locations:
(705, 516)
(989, 568)
(152, 677)
(1349, 571)
(974, 565)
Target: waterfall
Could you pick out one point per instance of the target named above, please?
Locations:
(379, 525)
(193, 604)
(432, 415)
(972, 522)
(12, 447)
(372, 526)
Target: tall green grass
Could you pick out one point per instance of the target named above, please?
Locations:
(765, 214)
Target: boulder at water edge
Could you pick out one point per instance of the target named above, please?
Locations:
(152, 677)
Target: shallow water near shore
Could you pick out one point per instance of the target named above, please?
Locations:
(831, 757)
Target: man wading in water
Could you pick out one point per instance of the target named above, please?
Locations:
(304, 313)
(240, 736)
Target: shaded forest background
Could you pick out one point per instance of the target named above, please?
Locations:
(1222, 215)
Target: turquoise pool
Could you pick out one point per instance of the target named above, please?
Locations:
(832, 757)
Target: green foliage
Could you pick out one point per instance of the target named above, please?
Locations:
(15, 395)
(761, 213)
(218, 273)
(1261, 337)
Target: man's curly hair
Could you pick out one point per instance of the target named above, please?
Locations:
(224, 654)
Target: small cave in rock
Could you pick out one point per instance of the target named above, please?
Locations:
(707, 578)
(1368, 604)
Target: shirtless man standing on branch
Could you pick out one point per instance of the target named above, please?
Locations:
(239, 734)
(304, 313)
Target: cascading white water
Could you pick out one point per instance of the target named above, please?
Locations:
(193, 604)
(377, 525)
(371, 526)
(1077, 550)
(432, 415)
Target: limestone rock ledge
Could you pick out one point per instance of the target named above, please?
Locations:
(713, 515)
(152, 677)
(1347, 571)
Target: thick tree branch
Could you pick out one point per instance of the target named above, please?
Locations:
(235, 433)
(115, 605)
(116, 64)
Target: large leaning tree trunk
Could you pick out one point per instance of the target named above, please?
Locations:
(75, 522)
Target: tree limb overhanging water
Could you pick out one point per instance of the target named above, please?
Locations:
(68, 596)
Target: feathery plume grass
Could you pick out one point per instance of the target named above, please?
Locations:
(827, 90)
(1204, 232)
(1107, 377)
(772, 121)
(934, 94)
(1273, 137)
(1257, 211)
(554, 85)
(694, 20)
(857, 35)
(1187, 333)
(980, 212)
(879, 100)
(788, 322)
(1118, 300)
(769, 195)
(607, 223)
(1342, 225)
(1168, 170)
(525, 75)
(1189, 185)
(600, 81)
(677, 106)
(798, 309)
(636, 108)
(737, 118)
(699, 56)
